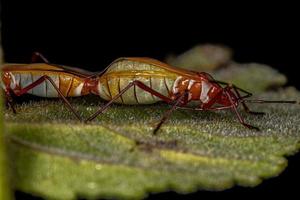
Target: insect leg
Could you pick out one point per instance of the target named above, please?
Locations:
(246, 108)
(241, 120)
(39, 81)
(248, 94)
(137, 83)
(9, 100)
(205, 109)
(102, 109)
(38, 56)
(169, 112)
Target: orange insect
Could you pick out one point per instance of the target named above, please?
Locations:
(127, 81)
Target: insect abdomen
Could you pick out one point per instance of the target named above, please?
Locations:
(68, 84)
(110, 86)
(123, 72)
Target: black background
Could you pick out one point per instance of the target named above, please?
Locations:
(90, 35)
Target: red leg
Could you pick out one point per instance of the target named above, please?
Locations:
(169, 112)
(39, 81)
(232, 106)
(153, 92)
(137, 83)
(248, 94)
(9, 100)
(241, 120)
(246, 108)
(38, 56)
(205, 109)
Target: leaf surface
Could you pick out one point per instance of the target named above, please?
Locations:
(117, 156)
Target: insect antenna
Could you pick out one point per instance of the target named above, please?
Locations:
(267, 101)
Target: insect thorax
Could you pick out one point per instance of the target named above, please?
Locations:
(198, 89)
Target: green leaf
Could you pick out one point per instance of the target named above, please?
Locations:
(253, 77)
(117, 156)
(202, 57)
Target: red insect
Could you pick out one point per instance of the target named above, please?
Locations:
(129, 81)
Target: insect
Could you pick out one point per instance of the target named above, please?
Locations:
(132, 81)
(44, 80)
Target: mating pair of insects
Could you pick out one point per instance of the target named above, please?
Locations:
(132, 81)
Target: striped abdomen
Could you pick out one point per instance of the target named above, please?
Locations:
(121, 73)
(68, 84)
